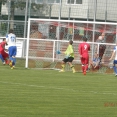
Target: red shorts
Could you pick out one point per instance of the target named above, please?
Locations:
(85, 59)
(4, 55)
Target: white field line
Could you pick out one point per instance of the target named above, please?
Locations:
(36, 86)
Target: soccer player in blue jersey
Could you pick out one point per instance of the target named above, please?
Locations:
(12, 49)
(114, 54)
(95, 62)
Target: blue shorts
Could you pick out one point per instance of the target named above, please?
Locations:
(115, 62)
(12, 51)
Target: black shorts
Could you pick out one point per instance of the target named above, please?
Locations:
(70, 59)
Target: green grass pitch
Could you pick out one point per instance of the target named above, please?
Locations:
(48, 93)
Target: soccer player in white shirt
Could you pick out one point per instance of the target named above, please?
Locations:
(115, 59)
(12, 49)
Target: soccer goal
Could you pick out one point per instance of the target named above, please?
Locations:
(46, 36)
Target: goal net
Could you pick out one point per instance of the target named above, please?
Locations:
(46, 36)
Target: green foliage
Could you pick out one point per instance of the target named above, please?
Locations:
(3, 1)
(22, 4)
(3, 26)
(3, 29)
(36, 7)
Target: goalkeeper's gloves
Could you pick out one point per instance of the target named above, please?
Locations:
(58, 52)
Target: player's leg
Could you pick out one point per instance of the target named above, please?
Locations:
(14, 56)
(83, 64)
(101, 52)
(12, 53)
(6, 57)
(115, 67)
(63, 65)
(86, 62)
(90, 64)
(2, 59)
(93, 65)
(70, 59)
(10, 56)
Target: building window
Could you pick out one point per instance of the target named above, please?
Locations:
(74, 1)
(53, 1)
(47, 1)
(39, 1)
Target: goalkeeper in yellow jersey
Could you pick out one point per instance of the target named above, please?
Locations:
(69, 57)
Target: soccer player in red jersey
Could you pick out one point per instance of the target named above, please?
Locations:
(3, 55)
(83, 49)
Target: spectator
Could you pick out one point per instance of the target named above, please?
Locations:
(95, 62)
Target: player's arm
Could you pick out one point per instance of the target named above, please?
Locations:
(15, 37)
(96, 49)
(71, 51)
(3, 44)
(113, 53)
(68, 51)
(80, 50)
(7, 39)
(89, 48)
(97, 63)
(65, 52)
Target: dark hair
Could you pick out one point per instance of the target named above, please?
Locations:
(11, 31)
(84, 39)
(3, 39)
(71, 42)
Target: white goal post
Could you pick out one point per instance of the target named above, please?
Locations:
(46, 36)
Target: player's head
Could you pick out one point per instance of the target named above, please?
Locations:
(11, 31)
(96, 55)
(4, 39)
(100, 38)
(84, 39)
(103, 34)
(70, 42)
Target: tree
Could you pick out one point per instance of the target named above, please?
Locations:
(19, 4)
